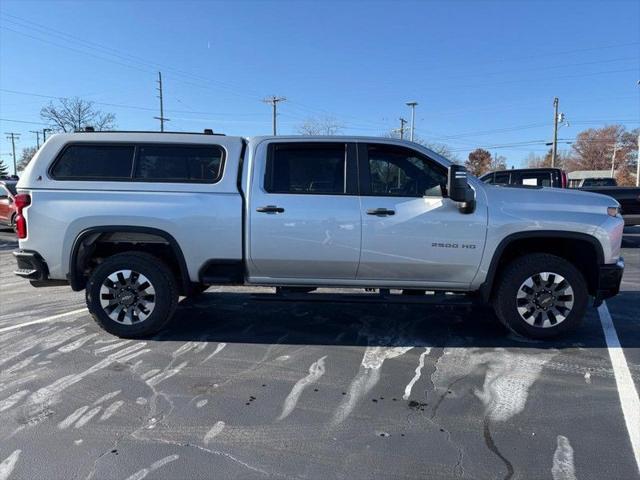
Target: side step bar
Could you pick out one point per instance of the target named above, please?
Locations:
(383, 296)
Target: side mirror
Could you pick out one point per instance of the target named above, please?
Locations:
(459, 189)
(457, 184)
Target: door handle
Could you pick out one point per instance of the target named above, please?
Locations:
(270, 209)
(381, 212)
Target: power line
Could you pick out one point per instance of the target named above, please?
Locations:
(121, 105)
(21, 121)
(45, 30)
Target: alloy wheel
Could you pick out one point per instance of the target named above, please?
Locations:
(127, 297)
(545, 299)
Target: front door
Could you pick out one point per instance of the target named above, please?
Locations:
(411, 232)
(304, 213)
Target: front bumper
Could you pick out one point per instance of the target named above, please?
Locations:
(609, 280)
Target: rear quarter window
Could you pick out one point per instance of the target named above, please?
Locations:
(139, 162)
(94, 162)
(177, 163)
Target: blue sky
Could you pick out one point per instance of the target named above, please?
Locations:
(484, 73)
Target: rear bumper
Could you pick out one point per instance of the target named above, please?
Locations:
(609, 280)
(32, 266)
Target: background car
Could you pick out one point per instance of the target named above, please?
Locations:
(7, 204)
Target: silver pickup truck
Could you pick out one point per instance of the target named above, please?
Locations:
(138, 219)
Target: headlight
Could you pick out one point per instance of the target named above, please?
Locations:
(613, 211)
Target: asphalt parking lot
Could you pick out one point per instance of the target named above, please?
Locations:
(241, 388)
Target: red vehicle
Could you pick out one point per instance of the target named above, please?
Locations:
(7, 204)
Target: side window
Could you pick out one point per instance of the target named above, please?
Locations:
(397, 171)
(176, 163)
(541, 179)
(94, 162)
(3, 193)
(501, 178)
(319, 169)
(488, 178)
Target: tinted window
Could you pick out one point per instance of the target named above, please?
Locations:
(599, 182)
(319, 169)
(501, 178)
(171, 163)
(3, 192)
(102, 162)
(487, 178)
(540, 179)
(404, 173)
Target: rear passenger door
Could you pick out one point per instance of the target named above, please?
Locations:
(304, 212)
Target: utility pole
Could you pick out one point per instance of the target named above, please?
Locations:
(402, 122)
(13, 137)
(273, 100)
(37, 132)
(44, 134)
(161, 117)
(613, 158)
(554, 149)
(413, 117)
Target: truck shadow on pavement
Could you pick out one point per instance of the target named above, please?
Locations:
(239, 318)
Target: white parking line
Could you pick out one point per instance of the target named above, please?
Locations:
(43, 320)
(626, 388)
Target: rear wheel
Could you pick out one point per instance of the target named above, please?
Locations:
(132, 295)
(541, 296)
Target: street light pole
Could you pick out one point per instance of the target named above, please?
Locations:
(413, 116)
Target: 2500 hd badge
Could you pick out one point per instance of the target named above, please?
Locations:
(470, 246)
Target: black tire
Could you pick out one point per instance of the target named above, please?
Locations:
(161, 280)
(12, 223)
(506, 303)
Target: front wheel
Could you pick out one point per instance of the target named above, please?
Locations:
(541, 296)
(132, 295)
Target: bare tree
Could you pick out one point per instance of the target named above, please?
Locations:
(320, 126)
(439, 148)
(25, 157)
(71, 114)
(538, 161)
(498, 162)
